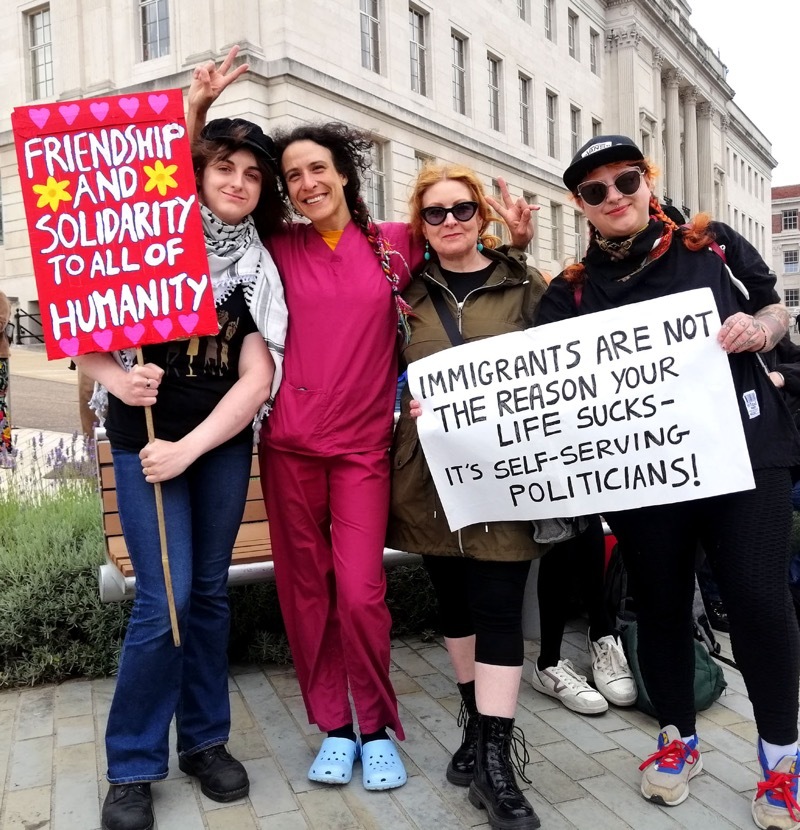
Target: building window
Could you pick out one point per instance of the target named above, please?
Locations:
(418, 45)
(594, 51)
(552, 124)
(524, 10)
(791, 297)
(580, 236)
(458, 47)
(791, 263)
(597, 128)
(370, 35)
(575, 129)
(40, 44)
(789, 220)
(497, 229)
(735, 168)
(376, 183)
(421, 159)
(572, 36)
(154, 15)
(525, 109)
(549, 20)
(555, 229)
(493, 67)
(530, 199)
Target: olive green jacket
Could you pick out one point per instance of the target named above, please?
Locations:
(417, 522)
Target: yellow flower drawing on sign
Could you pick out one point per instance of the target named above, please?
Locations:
(52, 193)
(160, 177)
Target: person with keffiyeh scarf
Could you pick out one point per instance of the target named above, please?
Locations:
(206, 395)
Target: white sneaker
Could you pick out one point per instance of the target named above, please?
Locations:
(563, 682)
(610, 671)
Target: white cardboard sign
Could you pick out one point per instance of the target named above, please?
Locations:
(624, 408)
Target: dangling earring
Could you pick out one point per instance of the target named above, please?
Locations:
(480, 245)
(427, 254)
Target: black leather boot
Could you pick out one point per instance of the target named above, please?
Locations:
(494, 787)
(459, 770)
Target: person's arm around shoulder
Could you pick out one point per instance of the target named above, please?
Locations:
(166, 459)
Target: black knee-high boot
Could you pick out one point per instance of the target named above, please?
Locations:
(459, 770)
(494, 787)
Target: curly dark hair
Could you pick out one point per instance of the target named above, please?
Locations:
(271, 210)
(350, 149)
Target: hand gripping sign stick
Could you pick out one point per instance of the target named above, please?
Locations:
(162, 527)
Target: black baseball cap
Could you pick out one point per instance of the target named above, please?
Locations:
(249, 134)
(600, 150)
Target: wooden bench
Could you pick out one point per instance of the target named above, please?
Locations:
(252, 552)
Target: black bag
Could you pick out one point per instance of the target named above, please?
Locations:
(620, 607)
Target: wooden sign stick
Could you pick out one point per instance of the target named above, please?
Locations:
(162, 528)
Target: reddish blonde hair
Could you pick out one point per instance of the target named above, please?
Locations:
(433, 173)
(696, 235)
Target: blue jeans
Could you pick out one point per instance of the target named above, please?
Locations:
(203, 510)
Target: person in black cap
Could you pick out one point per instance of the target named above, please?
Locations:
(638, 253)
(204, 393)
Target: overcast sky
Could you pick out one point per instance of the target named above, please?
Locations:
(758, 44)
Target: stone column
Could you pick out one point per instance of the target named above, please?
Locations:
(724, 123)
(626, 44)
(705, 160)
(658, 155)
(691, 185)
(674, 177)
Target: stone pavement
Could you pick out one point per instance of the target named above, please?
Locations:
(584, 770)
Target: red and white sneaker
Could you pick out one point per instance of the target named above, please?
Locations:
(775, 804)
(667, 772)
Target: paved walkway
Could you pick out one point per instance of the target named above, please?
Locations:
(584, 770)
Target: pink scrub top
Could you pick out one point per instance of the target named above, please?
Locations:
(340, 370)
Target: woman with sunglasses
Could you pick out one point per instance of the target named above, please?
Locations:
(324, 464)
(637, 253)
(478, 573)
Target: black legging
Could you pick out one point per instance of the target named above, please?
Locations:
(579, 562)
(747, 539)
(484, 599)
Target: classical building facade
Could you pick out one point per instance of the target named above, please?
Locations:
(511, 87)
(786, 242)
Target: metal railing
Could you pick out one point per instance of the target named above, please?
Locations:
(23, 334)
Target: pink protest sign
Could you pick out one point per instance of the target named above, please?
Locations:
(115, 231)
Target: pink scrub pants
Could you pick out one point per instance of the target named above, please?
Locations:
(327, 518)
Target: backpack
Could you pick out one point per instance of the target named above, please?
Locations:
(709, 679)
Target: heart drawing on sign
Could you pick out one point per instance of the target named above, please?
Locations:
(99, 110)
(163, 327)
(103, 339)
(188, 322)
(157, 102)
(129, 106)
(69, 345)
(39, 116)
(134, 333)
(69, 112)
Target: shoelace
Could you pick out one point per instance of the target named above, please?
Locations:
(780, 786)
(566, 674)
(611, 657)
(519, 755)
(672, 756)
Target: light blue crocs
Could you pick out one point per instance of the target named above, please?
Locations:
(334, 761)
(382, 766)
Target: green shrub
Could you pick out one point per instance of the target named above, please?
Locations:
(54, 627)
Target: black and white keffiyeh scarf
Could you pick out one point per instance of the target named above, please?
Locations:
(237, 257)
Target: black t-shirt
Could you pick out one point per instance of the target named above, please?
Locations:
(771, 437)
(198, 372)
(462, 283)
